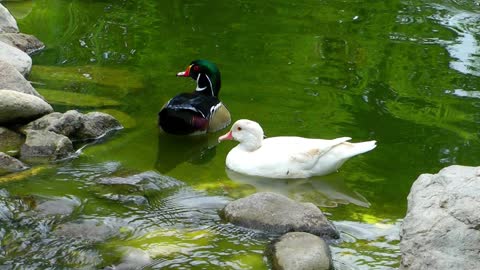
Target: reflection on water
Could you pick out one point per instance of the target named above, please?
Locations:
(174, 150)
(464, 50)
(325, 191)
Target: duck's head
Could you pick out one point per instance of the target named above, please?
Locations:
(248, 133)
(207, 76)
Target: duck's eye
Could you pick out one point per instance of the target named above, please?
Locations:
(196, 68)
(239, 128)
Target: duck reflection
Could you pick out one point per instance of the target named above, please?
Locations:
(324, 191)
(174, 150)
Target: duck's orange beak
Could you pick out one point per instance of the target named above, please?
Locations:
(225, 137)
(185, 73)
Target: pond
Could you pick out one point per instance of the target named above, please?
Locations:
(405, 73)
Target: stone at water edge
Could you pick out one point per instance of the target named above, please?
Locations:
(11, 79)
(10, 141)
(97, 124)
(45, 146)
(7, 22)
(16, 107)
(16, 57)
(10, 164)
(276, 213)
(442, 227)
(27, 43)
(300, 251)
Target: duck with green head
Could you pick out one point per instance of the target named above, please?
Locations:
(198, 112)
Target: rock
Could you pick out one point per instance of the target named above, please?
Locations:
(276, 213)
(10, 164)
(11, 79)
(133, 258)
(90, 230)
(10, 141)
(97, 124)
(442, 227)
(75, 125)
(300, 251)
(27, 43)
(19, 107)
(44, 146)
(59, 206)
(7, 22)
(42, 123)
(17, 58)
(143, 179)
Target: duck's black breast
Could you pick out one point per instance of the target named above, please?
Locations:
(187, 113)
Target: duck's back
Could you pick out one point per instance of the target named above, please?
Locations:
(187, 113)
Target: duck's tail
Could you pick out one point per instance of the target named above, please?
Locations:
(359, 148)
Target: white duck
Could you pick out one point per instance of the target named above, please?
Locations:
(287, 157)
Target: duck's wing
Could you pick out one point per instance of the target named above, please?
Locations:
(219, 118)
(193, 102)
(307, 154)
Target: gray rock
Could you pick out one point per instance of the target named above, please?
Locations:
(133, 258)
(10, 164)
(90, 230)
(11, 79)
(97, 124)
(42, 123)
(75, 125)
(69, 124)
(143, 179)
(27, 43)
(442, 227)
(300, 251)
(10, 141)
(59, 206)
(19, 107)
(44, 146)
(276, 213)
(7, 22)
(16, 57)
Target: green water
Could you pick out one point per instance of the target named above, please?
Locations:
(404, 73)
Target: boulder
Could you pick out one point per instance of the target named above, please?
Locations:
(276, 213)
(89, 230)
(11, 79)
(75, 125)
(62, 206)
(300, 251)
(10, 164)
(442, 227)
(27, 43)
(7, 22)
(19, 107)
(10, 141)
(97, 124)
(16, 57)
(44, 146)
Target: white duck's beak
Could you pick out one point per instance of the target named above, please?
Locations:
(225, 137)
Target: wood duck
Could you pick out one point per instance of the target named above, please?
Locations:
(198, 112)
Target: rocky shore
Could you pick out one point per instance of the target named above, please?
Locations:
(30, 131)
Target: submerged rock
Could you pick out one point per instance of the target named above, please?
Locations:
(300, 251)
(146, 179)
(11, 79)
(16, 57)
(90, 230)
(19, 107)
(27, 43)
(59, 206)
(276, 213)
(44, 146)
(10, 164)
(10, 141)
(442, 227)
(7, 22)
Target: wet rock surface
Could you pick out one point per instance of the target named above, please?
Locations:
(44, 146)
(276, 213)
(10, 164)
(27, 43)
(300, 251)
(442, 227)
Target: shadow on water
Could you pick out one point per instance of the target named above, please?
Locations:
(324, 191)
(175, 150)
